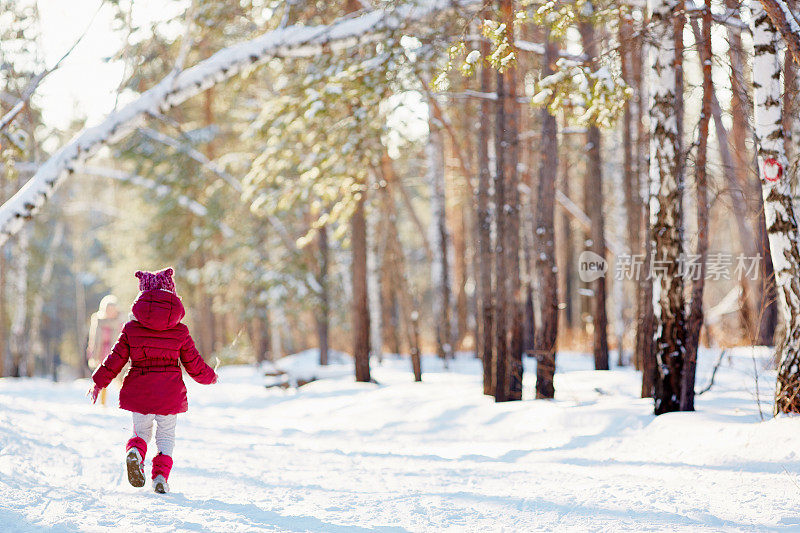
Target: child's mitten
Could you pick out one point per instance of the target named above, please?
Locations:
(93, 392)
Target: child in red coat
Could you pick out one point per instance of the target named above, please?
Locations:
(157, 344)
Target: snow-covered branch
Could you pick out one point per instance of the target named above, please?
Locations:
(294, 40)
(786, 23)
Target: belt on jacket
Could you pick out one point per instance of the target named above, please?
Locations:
(144, 369)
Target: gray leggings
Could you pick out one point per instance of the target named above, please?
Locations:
(165, 430)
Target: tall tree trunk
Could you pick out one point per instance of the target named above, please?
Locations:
(545, 240)
(396, 259)
(778, 209)
(510, 161)
(630, 179)
(323, 313)
(484, 226)
(19, 333)
(459, 225)
(375, 242)
(695, 322)
(740, 130)
(644, 353)
(3, 278)
(361, 336)
(566, 263)
(593, 199)
(36, 353)
(499, 377)
(666, 206)
(439, 236)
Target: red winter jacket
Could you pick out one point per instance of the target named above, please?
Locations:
(156, 344)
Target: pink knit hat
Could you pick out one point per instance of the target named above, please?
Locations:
(162, 279)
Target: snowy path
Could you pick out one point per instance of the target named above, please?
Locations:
(437, 456)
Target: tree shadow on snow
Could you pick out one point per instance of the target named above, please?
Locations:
(253, 515)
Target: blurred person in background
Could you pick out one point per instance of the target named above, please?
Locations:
(106, 325)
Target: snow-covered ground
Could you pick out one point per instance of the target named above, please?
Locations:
(336, 456)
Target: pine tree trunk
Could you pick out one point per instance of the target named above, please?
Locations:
(644, 353)
(440, 271)
(630, 177)
(545, 241)
(323, 313)
(695, 322)
(396, 259)
(630, 181)
(459, 327)
(484, 225)
(566, 263)
(666, 206)
(593, 199)
(510, 161)
(500, 372)
(781, 223)
(361, 336)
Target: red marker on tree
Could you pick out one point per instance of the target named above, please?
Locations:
(772, 169)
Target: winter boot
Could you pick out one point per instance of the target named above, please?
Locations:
(162, 464)
(134, 460)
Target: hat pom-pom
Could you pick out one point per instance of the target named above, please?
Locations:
(139, 274)
(169, 272)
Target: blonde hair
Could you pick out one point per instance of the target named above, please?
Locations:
(108, 299)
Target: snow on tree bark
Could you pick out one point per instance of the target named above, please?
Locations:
(778, 209)
(666, 203)
(175, 88)
(783, 20)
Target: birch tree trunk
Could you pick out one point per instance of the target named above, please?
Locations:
(666, 202)
(545, 341)
(439, 238)
(778, 209)
(740, 131)
(19, 333)
(375, 243)
(593, 198)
